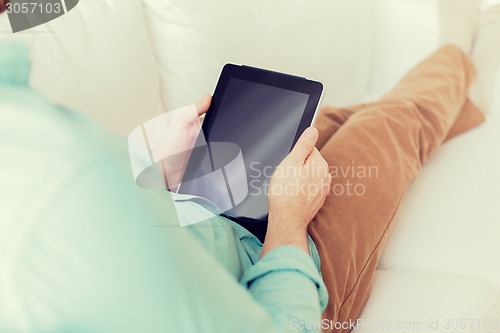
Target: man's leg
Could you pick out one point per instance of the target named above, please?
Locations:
(329, 121)
(375, 154)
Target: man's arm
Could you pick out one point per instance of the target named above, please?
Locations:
(297, 191)
(95, 263)
(84, 249)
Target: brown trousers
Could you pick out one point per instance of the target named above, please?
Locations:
(375, 151)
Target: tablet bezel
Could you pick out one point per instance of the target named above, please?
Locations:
(275, 79)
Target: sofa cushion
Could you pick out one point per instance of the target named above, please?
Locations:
(418, 301)
(96, 59)
(450, 219)
(400, 40)
(405, 32)
(486, 56)
(329, 41)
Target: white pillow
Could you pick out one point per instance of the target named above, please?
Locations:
(96, 59)
(401, 39)
(425, 302)
(458, 22)
(495, 101)
(487, 3)
(450, 217)
(485, 92)
(328, 40)
(408, 31)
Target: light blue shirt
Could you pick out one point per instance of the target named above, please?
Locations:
(83, 249)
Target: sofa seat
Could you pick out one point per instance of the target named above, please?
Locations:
(424, 301)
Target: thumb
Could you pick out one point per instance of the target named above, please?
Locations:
(203, 105)
(305, 144)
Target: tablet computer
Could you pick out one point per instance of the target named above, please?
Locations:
(255, 118)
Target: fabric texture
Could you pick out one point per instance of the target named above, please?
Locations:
(458, 22)
(83, 249)
(401, 41)
(486, 57)
(385, 145)
(423, 301)
(96, 59)
(330, 41)
(14, 64)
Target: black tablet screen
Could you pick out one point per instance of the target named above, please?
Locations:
(271, 117)
(256, 120)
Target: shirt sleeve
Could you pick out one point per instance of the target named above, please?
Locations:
(105, 258)
(287, 283)
(86, 250)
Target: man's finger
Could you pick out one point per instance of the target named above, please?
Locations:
(305, 144)
(316, 160)
(315, 156)
(203, 105)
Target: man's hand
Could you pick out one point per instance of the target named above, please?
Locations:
(181, 133)
(297, 191)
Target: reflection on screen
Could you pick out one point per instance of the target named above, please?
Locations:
(262, 121)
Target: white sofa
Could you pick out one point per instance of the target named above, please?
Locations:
(122, 62)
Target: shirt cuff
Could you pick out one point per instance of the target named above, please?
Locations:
(287, 258)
